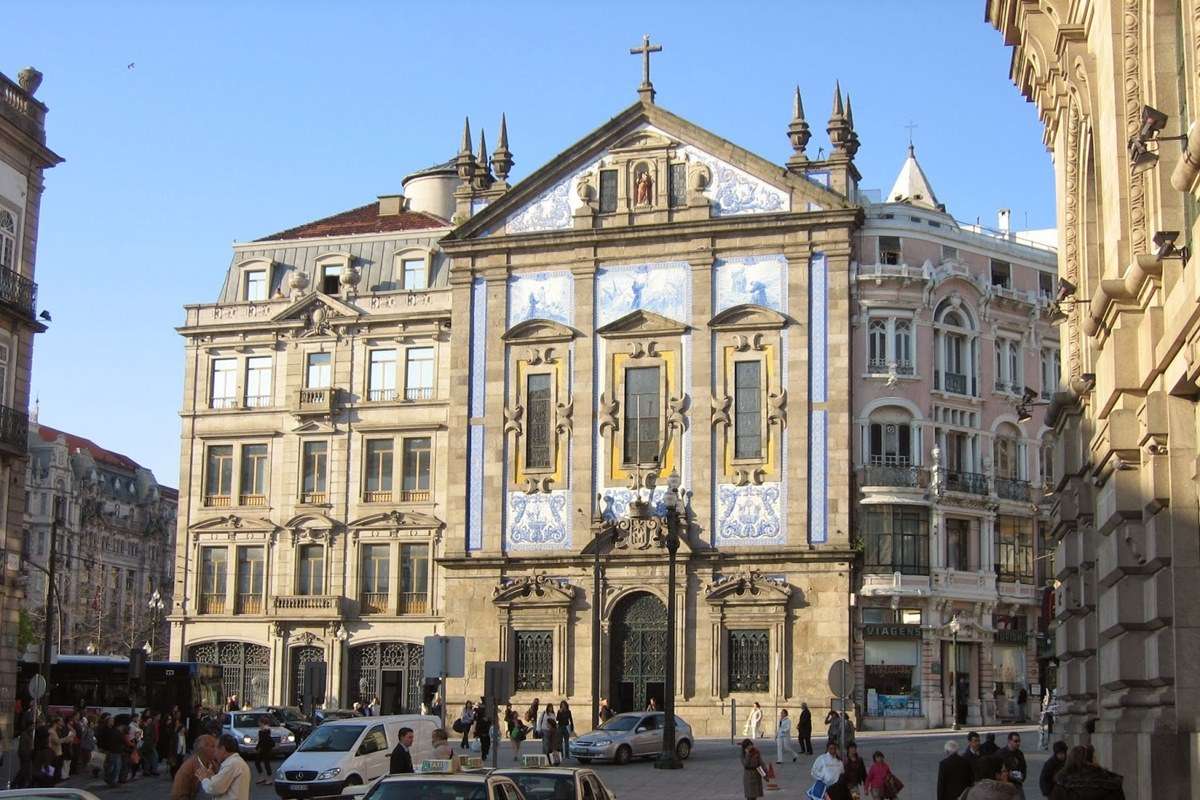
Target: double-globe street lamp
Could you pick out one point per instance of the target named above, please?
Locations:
(668, 758)
(156, 606)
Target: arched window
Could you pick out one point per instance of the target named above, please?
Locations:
(903, 347)
(891, 448)
(8, 239)
(877, 346)
(955, 345)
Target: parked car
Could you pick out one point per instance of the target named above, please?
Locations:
(458, 786)
(290, 718)
(350, 752)
(244, 727)
(323, 715)
(558, 783)
(636, 734)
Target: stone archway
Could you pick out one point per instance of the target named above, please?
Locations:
(639, 651)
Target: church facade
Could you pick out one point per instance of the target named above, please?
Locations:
(654, 307)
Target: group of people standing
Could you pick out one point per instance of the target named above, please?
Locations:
(552, 726)
(986, 771)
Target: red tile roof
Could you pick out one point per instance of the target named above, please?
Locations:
(74, 443)
(365, 219)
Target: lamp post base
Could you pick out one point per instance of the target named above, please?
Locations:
(668, 760)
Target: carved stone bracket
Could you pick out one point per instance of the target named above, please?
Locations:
(743, 342)
(541, 355)
(608, 413)
(747, 584)
(512, 419)
(742, 477)
(566, 413)
(777, 408)
(676, 413)
(535, 485)
(639, 349)
(536, 588)
(720, 410)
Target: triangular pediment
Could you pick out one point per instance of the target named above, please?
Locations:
(539, 330)
(311, 520)
(306, 306)
(640, 322)
(394, 520)
(747, 317)
(232, 522)
(738, 181)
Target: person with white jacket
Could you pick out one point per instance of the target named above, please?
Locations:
(783, 737)
(826, 770)
(753, 728)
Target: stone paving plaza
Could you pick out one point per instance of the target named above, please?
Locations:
(713, 772)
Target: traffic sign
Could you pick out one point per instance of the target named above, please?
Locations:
(841, 678)
(37, 687)
(445, 657)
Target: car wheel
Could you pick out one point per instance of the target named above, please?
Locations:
(623, 754)
(354, 780)
(683, 749)
(583, 760)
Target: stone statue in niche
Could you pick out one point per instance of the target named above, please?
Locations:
(643, 187)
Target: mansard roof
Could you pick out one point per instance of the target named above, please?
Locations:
(362, 220)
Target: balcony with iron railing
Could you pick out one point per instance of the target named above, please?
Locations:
(968, 482)
(258, 401)
(955, 382)
(223, 402)
(877, 366)
(249, 603)
(373, 602)
(18, 292)
(878, 474)
(413, 603)
(212, 603)
(1013, 489)
(14, 431)
(380, 395)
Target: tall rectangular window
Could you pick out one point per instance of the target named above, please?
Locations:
(958, 544)
(418, 373)
(534, 657)
(218, 475)
(749, 660)
(678, 185)
(889, 250)
(379, 470)
(258, 381)
(414, 578)
(896, 539)
(903, 347)
(318, 371)
(416, 469)
(608, 191)
(747, 407)
(250, 573)
(8, 240)
(538, 395)
(331, 279)
(310, 569)
(1001, 274)
(891, 444)
(877, 355)
(414, 274)
(376, 570)
(214, 568)
(315, 476)
(381, 378)
(253, 489)
(256, 284)
(1046, 284)
(641, 415)
(1014, 548)
(223, 386)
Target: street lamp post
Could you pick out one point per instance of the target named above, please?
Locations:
(156, 606)
(955, 624)
(668, 758)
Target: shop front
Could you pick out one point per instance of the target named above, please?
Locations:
(892, 671)
(1010, 691)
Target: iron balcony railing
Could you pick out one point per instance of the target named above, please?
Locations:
(970, 482)
(212, 603)
(877, 366)
(1012, 489)
(14, 429)
(956, 383)
(894, 475)
(18, 292)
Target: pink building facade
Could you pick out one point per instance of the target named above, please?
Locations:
(955, 354)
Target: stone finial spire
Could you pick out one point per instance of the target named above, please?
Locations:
(482, 170)
(465, 161)
(838, 127)
(502, 160)
(852, 140)
(798, 131)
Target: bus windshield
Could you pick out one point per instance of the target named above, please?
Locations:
(332, 738)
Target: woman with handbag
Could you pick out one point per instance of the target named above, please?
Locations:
(463, 723)
(752, 771)
(881, 782)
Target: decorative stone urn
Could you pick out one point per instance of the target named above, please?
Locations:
(298, 281)
(30, 79)
(349, 278)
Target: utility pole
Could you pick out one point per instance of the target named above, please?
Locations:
(48, 623)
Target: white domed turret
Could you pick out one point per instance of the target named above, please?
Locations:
(431, 190)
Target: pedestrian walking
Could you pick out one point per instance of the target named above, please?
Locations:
(652, 705)
(955, 775)
(232, 779)
(45, 770)
(606, 712)
(55, 743)
(483, 729)
(1046, 724)
(1051, 768)
(441, 744)
(531, 716)
(1014, 759)
(566, 727)
(854, 775)
(992, 783)
(262, 751)
(149, 744)
(973, 755)
(552, 740)
(825, 771)
(880, 780)
(783, 737)
(24, 758)
(517, 732)
(463, 723)
(374, 708)
(544, 719)
(804, 729)
(165, 742)
(752, 771)
(400, 762)
(753, 729)
(1081, 778)
(186, 785)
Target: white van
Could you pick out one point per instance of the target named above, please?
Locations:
(350, 752)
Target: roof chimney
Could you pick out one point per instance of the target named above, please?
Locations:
(1004, 220)
(390, 204)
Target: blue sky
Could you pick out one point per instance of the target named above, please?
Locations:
(236, 120)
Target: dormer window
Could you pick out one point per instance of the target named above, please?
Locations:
(330, 278)
(889, 249)
(414, 274)
(255, 284)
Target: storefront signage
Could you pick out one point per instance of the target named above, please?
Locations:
(1010, 637)
(893, 631)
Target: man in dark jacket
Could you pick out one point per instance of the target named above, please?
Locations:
(954, 774)
(1051, 768)
(972, 755)
(401, 759)
(1014, 759)
(989, 746)
(804, 729)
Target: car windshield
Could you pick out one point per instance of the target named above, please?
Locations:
(247, 720)
(621, 724)
(545, 787)
(332, 739)
(428, 790)
(289, 715)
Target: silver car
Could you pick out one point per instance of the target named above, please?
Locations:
(632, 735)
(244, 727)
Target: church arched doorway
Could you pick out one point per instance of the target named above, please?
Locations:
(639, 652)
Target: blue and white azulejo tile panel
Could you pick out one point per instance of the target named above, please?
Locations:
(734, 191)
(478, 340)
(761, 280)
(541, 295)
(750, 515)
(818, 467)
(615, 500)
(539, 521)
(818, 337)
(475, 491)
(664, 288)
(549, 211)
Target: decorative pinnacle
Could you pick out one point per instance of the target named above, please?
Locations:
(482, 158)
(797, 106)
(849, 111)
(852, 139)
(798, 131)
(839, 127)
(465, 161)
(837, 99)
(502, 159)
(466, 140)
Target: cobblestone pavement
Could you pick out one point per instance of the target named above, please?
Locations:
(713, 772)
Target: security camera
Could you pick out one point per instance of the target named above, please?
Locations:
(1153, 121)
(1164, 244)
(1065, 289)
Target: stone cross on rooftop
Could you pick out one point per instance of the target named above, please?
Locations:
(646, 90)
